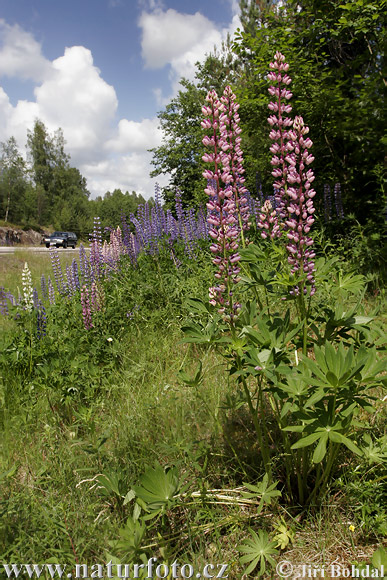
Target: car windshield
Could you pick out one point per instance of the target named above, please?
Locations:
(55, 234)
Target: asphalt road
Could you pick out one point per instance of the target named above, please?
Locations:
(4, 250)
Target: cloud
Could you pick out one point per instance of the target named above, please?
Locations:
(20, 54)
(71, 93)
(179, 40)
(168, 34)
(136, 136)
(127, 172)
(76, 98)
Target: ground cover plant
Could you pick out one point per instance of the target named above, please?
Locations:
(167, 408)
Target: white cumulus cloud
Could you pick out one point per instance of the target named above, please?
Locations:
(180, 41)
(76, 98)
(168, 34)
(136, 136)
(20, 54)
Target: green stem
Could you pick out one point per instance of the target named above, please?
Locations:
(321, 482)
(288, 455)
(254, 415)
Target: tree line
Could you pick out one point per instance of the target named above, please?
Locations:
(45, 190)
(335, 52)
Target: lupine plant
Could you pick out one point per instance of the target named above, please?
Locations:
(304, 385)
(224, 199)
(28, 292)
(328, 213)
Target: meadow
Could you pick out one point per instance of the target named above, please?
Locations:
(206, 386)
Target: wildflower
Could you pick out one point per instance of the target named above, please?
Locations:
(300, 207)
(109, 339)
(43, 285)
(280, 125)
(56, 266)
(51, 291)
(291, 159)
(268, 221)
(3, 302)
(86, 310)
(97, 297)
(351, 528)
(223, 200)
(28, 291)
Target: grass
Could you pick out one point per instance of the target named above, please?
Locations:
(53, 450)
(11, 266)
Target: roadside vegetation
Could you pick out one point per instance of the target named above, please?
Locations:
(208, 383)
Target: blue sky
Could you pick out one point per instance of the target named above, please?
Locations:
(101, 70)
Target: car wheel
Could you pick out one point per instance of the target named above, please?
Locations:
(64, 245)
(47, 245)
(57, 245)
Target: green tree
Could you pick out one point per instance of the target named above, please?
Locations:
(61, 191)
(335, 55)
(111, 206)
(12, 180)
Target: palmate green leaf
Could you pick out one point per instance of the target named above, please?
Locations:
(375, 452)
(315, 398)
(294, 428)
(110, 483)
(352, 283)
(257, 550)
(198, 306)
(266, 492)
(194, 333)
(336, 367)
(131, 537)
(295, 386)
(260, 337)
(157, 487)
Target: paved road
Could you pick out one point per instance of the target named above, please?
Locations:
(4, 250)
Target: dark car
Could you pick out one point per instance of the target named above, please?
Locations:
(64, 239)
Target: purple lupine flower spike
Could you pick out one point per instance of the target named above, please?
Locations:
(280, 122)
(300, 207)
(58, 275)
(291, 159)
(338, 202)
(222, 215)
(231, 155)
(268, 221)
(3, 302)
(41, 320)
(35, 298)
(86, 309)
(43, 286)
(327, 203)
(51, 291)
